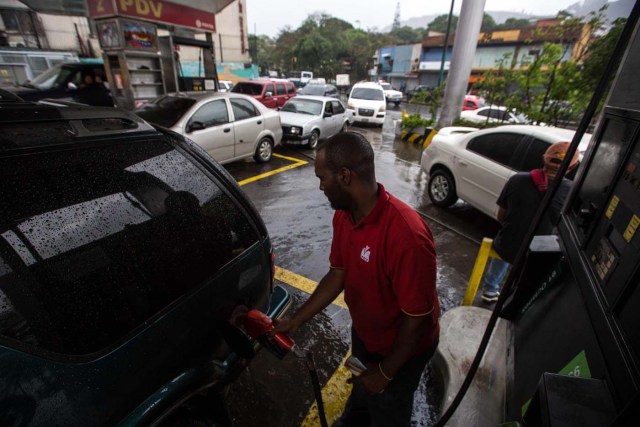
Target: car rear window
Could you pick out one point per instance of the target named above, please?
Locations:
(248, 88)
(95, 242)
(166, 111)
(369, 94)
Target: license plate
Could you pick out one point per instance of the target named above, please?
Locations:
(365, 119)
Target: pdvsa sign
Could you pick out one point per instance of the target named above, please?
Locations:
(155, 11)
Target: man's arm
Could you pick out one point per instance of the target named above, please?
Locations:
(328, 289)
(409, 338)
(502, 214)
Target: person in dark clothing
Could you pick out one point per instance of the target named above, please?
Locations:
(92, 91)
(518, 203)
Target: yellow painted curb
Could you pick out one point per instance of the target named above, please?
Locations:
(414, 137)
(304, 284)
(334, 397)
(429, 137)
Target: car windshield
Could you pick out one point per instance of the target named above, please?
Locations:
(47, 79)
(386, 86)
(369, 94)
(312, 90)
(303, 106)
(166, 111)
(247, 88)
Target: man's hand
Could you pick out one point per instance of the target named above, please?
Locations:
(372, 380)
(285, 326)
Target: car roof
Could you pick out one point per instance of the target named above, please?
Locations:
(315, 98)
(201, 96)
(371, 85)
(29, 124)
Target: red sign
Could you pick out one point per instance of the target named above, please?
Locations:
(154, 11)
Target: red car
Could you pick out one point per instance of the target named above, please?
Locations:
(271, 93)
(472, 102)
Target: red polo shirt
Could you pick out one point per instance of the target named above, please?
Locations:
(389, 260)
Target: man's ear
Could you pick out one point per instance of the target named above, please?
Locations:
(344, 176)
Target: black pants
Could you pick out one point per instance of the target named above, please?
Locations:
(393, 407)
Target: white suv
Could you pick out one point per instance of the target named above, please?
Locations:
(368, 101)
(391, 95)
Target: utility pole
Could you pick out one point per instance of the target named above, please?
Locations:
(446, 45)
(464, 50)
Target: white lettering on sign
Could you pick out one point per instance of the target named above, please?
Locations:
(143, 7)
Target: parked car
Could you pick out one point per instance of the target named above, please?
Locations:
(128, 256)
(472, 102)
(270, 92)
(474, 165)
(320, 90)
(307, 119)
(417, 90)
(369, 103)
(492, 114)
(69, 82)
(228, 126)
(390, 94)
(225, 85)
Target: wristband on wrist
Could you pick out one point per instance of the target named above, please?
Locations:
(386, 377)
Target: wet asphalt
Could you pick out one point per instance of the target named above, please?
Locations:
(278, 393)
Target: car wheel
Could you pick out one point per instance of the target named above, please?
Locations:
(313, 139)
(263, 151)
(345, 127)
(442, 188)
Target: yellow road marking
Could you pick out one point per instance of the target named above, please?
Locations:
(336, 391)
(334, 396)
(304, 284)
(414, 136)
(297, 163)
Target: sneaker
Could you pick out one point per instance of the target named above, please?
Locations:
(490, 296)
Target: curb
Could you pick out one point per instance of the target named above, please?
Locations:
(418, 138)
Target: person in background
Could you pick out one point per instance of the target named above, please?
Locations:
(384, 259)
(518, 203)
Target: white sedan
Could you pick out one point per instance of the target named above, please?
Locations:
(307, 119)
(491, 114)
(229, 126)
(474, 165)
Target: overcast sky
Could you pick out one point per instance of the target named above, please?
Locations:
(270, 17)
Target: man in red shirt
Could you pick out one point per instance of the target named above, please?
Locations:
(383, 257)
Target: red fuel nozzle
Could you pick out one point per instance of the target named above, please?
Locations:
(259, 326)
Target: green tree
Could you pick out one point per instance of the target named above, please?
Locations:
(406, 35)
(439, 24)
(513, 24)
(488, 24)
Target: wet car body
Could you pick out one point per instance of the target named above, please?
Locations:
(228, 126)
(126, 255)
(307, 119)
(474, 165)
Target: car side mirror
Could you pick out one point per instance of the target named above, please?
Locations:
(325, 115)
(72, 86)
(193, 126)
(268, 94)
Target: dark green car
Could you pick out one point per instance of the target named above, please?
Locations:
(126, 255)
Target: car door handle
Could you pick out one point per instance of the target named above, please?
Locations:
(461, 163)
(227, 130)
(259, 122)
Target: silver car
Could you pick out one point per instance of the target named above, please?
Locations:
(307, 119)
(229, 126)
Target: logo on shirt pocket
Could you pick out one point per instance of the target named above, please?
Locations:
(365, 253)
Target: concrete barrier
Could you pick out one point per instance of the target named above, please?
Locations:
(461, 330)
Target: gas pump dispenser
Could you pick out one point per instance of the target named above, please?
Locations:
(577, 329)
